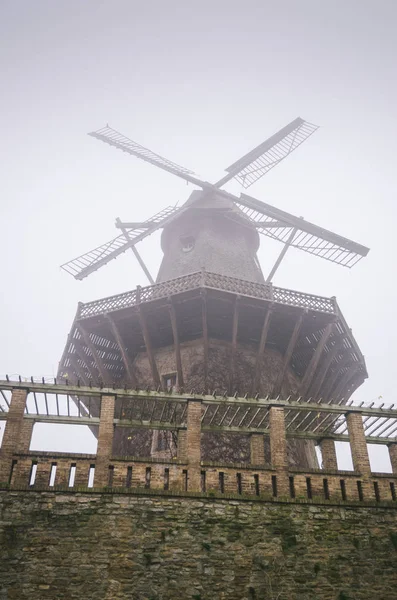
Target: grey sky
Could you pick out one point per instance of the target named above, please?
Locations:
(202, 83)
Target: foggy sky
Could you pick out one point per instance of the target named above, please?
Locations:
(201, 83)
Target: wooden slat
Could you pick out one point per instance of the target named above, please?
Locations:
(119, 341)
(261, 349)
(234, 343)
(315, 359)
(287, 356)
(177, 348)
(149, 348)
(98, 360)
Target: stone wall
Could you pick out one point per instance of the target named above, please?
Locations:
(145, 546)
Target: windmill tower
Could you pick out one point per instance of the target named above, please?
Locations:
(212, 321)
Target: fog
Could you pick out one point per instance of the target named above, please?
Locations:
(201, 83)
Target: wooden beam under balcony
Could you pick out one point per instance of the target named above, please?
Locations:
(323, 369)
(344, 381)
(177, 347)
(234, 343)
(315, 359)
(120, 343)
(288, 353)
(261, 349)
(149, 348)
(97, 358)
(328, 392)
(203, 294)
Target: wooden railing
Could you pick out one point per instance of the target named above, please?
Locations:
(205, 279)
(188, 415)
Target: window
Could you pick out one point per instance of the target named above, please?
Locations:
(169, 382)
(187, 243)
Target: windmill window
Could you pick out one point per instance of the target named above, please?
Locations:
(169, 382)
(187, 243)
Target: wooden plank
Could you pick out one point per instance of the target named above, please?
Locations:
(315, 359)
(177, 348)
(261, 349)
(119, 341)
(205, 336)
(287, 356)
(316, 386)
(83, 357)
(80, 374)
(149, 348)
(344, 381)
(331, 380)
(98, 360)
(234, 343)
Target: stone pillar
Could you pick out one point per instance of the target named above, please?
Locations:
(359, 451)
(278, 449)
(182, 448)
(393, 456)
(105, 441)
(193, 444)
(328, 454)
(12, 433)
(257, 446)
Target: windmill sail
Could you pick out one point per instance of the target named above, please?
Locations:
(118, 140)
(279, 225)
(251, 167)
(91, 261)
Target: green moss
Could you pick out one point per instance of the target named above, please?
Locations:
(206, 546)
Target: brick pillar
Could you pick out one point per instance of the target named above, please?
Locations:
(328, 454)
(393, 456)
(12, 432)
(25, 436)
(359, 451)
(182, 448)
(193, 444)
(257, 446)
(105, 441)
(278, 449)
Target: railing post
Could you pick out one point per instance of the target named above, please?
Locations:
(105, 441)
(328, 453)
(393, 456)
(13, 431)
(193, 444)
(278, 448)
(359, 450)
(257, 447)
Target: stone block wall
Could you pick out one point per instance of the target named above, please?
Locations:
(145, 546)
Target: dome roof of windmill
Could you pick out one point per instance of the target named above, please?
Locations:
(213, 201)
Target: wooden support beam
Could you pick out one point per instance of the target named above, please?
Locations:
(333, 376)
(149, 348)
(98, 360)
(287, 356)
(316, 386)
(234, 343)
(205, 336)
(344, 381)
(85, 359)
(80, 374)
(315, 359)
(353, 385)
(120, 343)
(261, 349)
(177, 348)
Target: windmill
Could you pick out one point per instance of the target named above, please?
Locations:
(291, 231)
